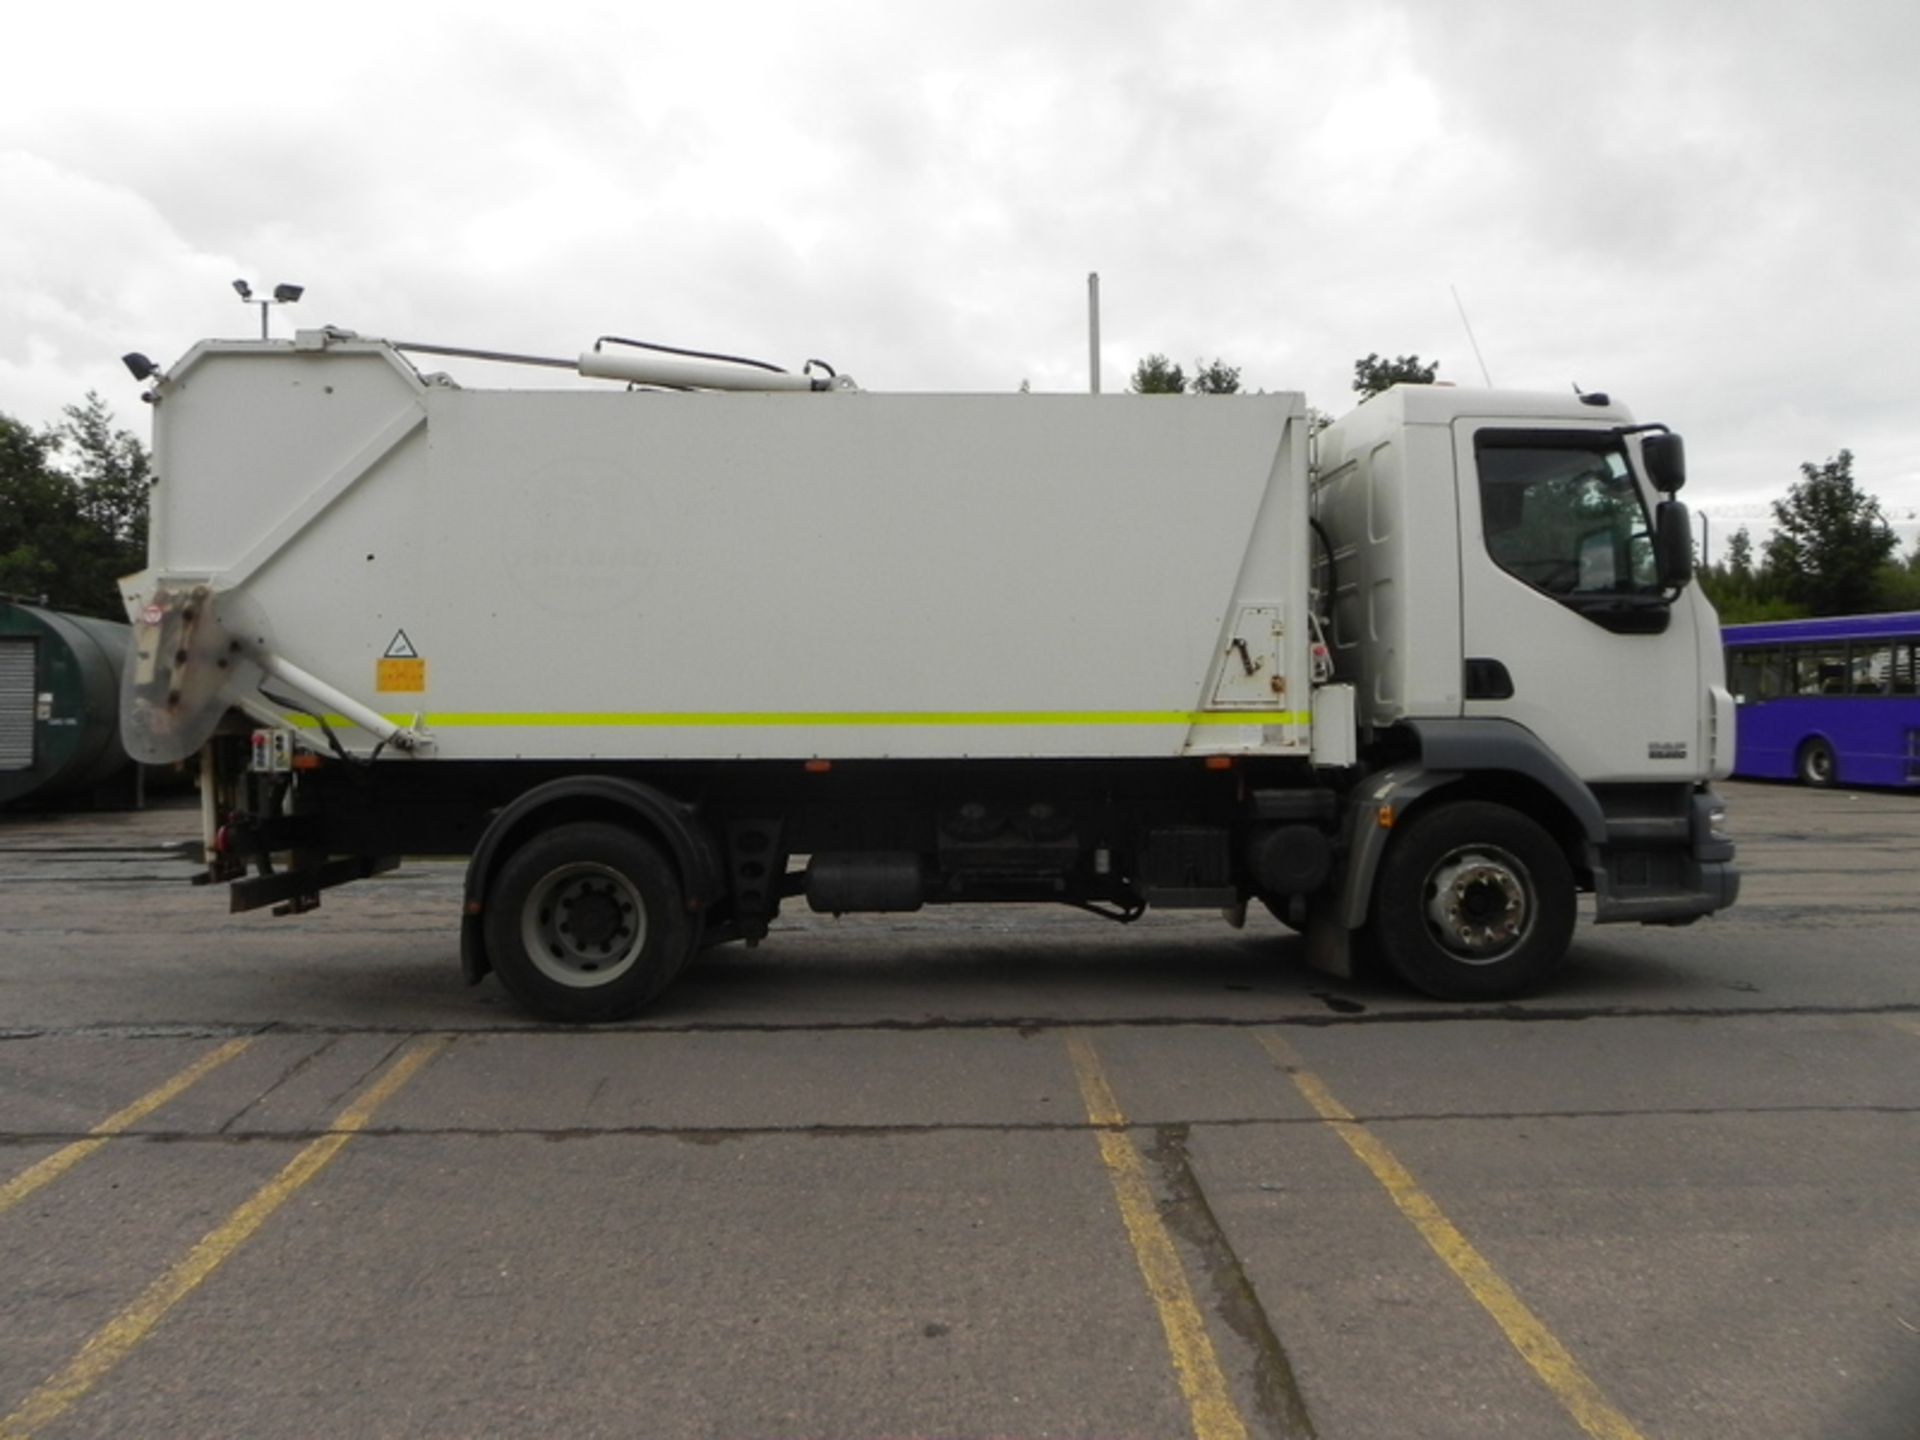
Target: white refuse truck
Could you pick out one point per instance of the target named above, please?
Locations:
(661, 656)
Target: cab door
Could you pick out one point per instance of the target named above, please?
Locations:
(1565, 627)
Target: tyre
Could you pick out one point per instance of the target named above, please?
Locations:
(1474, 902)
(587, 922)
(1814, 764)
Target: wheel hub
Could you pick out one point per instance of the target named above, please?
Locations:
(590, 915)
(1477, 904)
(584, 925)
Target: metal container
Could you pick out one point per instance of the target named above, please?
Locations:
(59, 702)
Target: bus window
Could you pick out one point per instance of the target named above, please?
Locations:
(1773, 674)
(1820, 670)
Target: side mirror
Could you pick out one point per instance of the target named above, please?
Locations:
(1672, 544)
(1665, 456)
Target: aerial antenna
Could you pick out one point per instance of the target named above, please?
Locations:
(1467, 325)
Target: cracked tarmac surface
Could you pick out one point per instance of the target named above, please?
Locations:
(844, 1185)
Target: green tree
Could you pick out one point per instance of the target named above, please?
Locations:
(1157, 375)
(1216, 378)
(1897, 587)
(111, 469)
(1375, 373)
(1763, 607)
(1739, 561)
(69, 531)
(1731, 584)
(1830, 542)
(1741, 591)
(39, 515)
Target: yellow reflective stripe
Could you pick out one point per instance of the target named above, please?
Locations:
(666, 719)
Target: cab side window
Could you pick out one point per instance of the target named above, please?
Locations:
(1561, 513)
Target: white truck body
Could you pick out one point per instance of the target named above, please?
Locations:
(750, 575)
(1107, 650)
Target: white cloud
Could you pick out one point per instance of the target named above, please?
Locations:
(1702, 209)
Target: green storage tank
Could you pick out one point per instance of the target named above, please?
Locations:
(59, 702)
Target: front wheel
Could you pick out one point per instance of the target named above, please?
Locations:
(587, 922)
(1474, 902)
(1815, 763)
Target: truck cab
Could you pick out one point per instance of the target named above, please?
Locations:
(1511, 602)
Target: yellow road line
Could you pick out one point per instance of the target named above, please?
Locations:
(1194, 1362)
(111, 1343)
(64, 1159)
(1906, 1023)
(1550, 1360)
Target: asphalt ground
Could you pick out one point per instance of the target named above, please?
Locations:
(965, 1173)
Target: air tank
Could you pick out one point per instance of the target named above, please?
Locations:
(59, 702)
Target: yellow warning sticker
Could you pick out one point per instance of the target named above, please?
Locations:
(406, 675)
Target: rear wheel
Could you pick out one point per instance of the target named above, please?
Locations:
(1815, 763)
(587, 922)
(1474, 902)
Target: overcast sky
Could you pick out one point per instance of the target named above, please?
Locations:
(1708, 209)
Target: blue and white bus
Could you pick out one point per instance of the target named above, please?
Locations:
(1829, 701)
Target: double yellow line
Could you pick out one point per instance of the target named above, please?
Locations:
(64, 1159)
(1551, 1360)
(110, 1344)
(1196, 1365)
